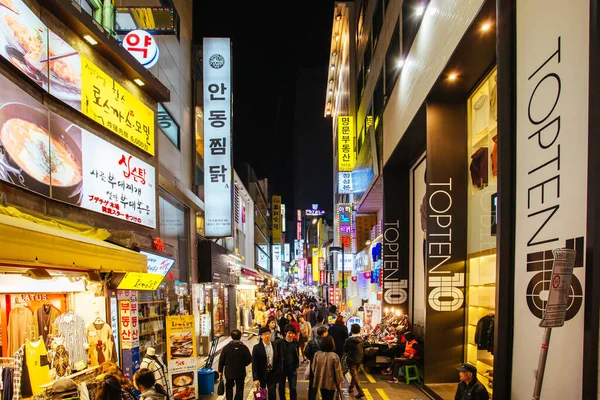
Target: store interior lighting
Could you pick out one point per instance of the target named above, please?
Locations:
(486, 27)
(90, 40)
(452, 77)
(139, 82)
(338, 17)
(419, 11)
(333, 67)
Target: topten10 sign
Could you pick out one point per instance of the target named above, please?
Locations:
(141, 45)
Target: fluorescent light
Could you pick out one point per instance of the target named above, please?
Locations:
(90, 40)
(139, 82)
(419, 11)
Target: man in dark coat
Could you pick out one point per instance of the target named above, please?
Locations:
(311, 315)
(354, 349)
(234, 358)
(311, 349)
(266, 363)
(469, 387)
(288, 348)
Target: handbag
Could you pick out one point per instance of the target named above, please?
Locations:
(261, 394)
(221, 387)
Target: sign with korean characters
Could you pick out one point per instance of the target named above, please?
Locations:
(142, 46)
(217, 137)
(128, 324)
(344, 182)
(116, 183)
(346, 153)
(316, 253)
(181, 356)
(109, 104)
(277, 260)
(276, 218)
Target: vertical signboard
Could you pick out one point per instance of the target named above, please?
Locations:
(181, 356)
(283, 218)
(345, 227)
(344, 182)
(551, 187)
(277, 260)
(286, 252)
(217, 137)
(299, 225)
(446, 240)
(276, 218)
(346, 154)
(316, 253)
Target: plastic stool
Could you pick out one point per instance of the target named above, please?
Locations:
(408, 377)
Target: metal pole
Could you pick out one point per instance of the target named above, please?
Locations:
(343, 276)
(539, 378)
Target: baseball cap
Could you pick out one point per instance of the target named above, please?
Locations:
(468, 368)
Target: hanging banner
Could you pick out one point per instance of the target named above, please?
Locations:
(181, 356)
(552, 91)
(372, 314)
(364, 280)
(217, 137)
(276, 260)
(346, 153)
(276, 218)
(316, 253)
(309, 276)
(302, 268)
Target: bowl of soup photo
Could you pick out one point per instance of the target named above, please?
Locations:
(49, 164)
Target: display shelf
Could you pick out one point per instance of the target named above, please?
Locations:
(154, 331)
(151, 302)
(152, 317)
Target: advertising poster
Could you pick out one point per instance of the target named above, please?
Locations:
(372, 314)
(181, 356)
(64, 72)
(24, 41)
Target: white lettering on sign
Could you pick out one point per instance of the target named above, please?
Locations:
(394, 288)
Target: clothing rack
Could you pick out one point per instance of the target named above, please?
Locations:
(72, 376)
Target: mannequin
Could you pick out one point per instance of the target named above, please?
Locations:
(158, 368)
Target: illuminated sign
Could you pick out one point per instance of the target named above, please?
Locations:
(276, 218)
(157, 20)
(277, 260)
(316, 253)
(344, 182)
(217, 137)
(346, 153)
(283, 218)
(142, 46)
(286, 252)
(314, 213)
(140, 281)
(158, 264)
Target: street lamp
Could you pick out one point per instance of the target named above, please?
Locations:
(341, 249)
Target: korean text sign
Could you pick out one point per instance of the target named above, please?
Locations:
(128, 324)
(181, 355)
(346, 154)
(276, 219)
(108, 103)
(217, 137)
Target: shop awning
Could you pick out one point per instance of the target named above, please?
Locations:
(27, 244)
(250, 273)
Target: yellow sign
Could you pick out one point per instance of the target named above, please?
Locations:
(181, 337)
(140, 281)
(346, 153)
(316, 253)
(109, 104)
(276, 219)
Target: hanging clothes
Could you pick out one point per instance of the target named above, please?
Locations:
(7, 383)
(21, 383)
(59, 354)
(101, 342)
(484, 334)
(479, 168)
(44, 320)
(36, 358)
(72, 327)
(494, 156)
(481, 115)
(20, 321)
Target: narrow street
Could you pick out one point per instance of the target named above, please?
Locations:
(374, 386)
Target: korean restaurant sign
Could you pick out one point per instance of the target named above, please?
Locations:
(47, 154)
(346, 153)
(108, 103)
(344, 182)
(276, 218)
(181, 356)
(27, 43)
(128, 324)
(217, 137)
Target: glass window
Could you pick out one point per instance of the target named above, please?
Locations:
(360, 84)
(367, 58)
(377, 22)
(392, 59)
(87, 7)
(378, 98)
(168, 125)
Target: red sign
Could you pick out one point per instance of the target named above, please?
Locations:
(322, 276)
(159, 244)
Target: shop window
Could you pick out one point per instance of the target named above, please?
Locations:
(377, 22)
(360, 24)
(392, 60)
(481, 264)
(367, 59)
(168, 125)
(378, 97)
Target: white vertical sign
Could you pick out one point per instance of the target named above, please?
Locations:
(283, 218)
(286, 252)
(277, 260)
(551, 175)
(217, 137)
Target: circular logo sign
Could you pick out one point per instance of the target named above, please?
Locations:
(141, 45)
(216, 61)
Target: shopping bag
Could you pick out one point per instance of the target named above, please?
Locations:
(339, 395)
(344, 361)
(221, 387)
(307, 372)
(261, 394)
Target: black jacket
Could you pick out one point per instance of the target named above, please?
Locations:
(289, 349)
(474, 391)
(234, 358)
(311, 317)
(259, 364)
(339, 333)
(312, 347)
(354, 348)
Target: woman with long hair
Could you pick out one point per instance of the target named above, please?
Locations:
(304, 335)
(274, 328)
(291, 317)
(109, 389)
(127, 389)
(327, 370)
(339, 332)
(145, 382)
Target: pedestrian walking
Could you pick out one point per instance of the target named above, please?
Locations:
(265, 364)
(311, 315)
(304, 337)
(274, 328)
(339, 333)
(354, 349)
(320, 323)
(312, 348)
(327, 369)
(292, 319)
(234, 359)
(145, 382)
(290, 361)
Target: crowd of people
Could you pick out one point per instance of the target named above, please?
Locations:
(114, 385)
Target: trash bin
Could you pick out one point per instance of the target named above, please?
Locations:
(206, 381)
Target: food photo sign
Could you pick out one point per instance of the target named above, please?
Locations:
(47, 154)
(181, 356)
(53, 64)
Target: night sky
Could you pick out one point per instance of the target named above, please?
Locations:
(274, 43)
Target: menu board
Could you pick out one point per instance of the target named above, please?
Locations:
(58, 68)
(181, 356)
(47, 154)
